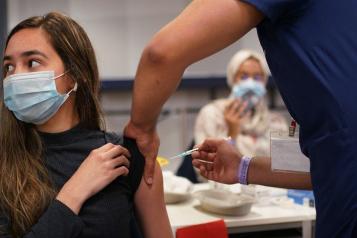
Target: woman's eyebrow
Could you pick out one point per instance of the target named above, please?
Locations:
(34, 52)
(27, 54)
(7, 57)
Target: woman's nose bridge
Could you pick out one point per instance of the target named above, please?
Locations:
(19, 68)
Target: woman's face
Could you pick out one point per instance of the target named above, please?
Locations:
(30, 50)
(250, 68)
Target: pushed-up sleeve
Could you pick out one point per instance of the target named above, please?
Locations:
(137, 164)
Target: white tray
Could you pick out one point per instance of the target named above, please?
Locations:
(171, 197)
(224, 202)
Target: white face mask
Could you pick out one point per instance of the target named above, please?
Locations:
(249, 90)
(33, 97)
(248, 85)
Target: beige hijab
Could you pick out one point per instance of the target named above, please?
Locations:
(258, 123)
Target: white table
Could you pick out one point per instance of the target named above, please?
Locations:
(261, 218)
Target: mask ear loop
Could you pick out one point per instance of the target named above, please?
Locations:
(58, 76)
(74, 89)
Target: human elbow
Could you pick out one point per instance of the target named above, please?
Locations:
(158, 54)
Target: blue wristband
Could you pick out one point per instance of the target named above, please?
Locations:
(243, 170)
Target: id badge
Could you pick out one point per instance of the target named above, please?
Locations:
(286, 154)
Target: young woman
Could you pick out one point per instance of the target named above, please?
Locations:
(61, 175)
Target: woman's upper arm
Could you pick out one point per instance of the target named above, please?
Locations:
(151, 209)
(203, 28)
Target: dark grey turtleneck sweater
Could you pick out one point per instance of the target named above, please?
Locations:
(109, 213)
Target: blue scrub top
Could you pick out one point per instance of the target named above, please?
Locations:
(311, 49)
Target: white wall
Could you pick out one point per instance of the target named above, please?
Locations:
(119, 30)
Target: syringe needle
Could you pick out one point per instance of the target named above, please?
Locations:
(184, 153)
(188, 153)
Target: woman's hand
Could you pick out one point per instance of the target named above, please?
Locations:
(99, 169)
(233, 116)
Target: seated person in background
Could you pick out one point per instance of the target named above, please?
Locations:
(243, 116)
(61, 175)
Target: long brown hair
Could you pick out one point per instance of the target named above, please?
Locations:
(25, 186)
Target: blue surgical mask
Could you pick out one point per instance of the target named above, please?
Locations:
(33, 97)
(249, 90)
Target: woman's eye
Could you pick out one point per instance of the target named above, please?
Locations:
(33, 63)
(9, 68)
(258, 77)
(244, 76)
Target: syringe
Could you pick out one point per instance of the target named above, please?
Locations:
(188, 152)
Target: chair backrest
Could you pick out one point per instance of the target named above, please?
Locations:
(215, 229)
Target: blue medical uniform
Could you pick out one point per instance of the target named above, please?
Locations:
(311, 49)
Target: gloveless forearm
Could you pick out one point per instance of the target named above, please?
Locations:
(260, 173)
